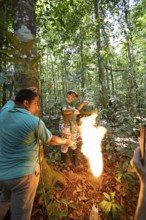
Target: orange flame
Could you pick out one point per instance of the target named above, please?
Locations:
(91, 138)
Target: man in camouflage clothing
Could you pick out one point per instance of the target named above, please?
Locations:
(68, 125)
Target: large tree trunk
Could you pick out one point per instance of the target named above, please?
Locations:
(25, 30)
(3, 16)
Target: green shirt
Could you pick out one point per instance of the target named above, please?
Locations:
(71, 118)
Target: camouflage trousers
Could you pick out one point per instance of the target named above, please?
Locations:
(70, 132)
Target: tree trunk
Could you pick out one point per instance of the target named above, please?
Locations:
(25, 30)
(132, 81)
(102, 89)
(3, 22)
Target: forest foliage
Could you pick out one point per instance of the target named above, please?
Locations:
(95, 47)
(100, 53)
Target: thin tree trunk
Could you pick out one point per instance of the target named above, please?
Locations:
(132, 80)
(82, 63)
(53, 77)
(102, 90)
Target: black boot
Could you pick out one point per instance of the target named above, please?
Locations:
(63, 157)
(64, 160)
(74, 154)
(77, 156)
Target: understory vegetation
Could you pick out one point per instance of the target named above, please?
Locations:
(97, 48)
(77, 194)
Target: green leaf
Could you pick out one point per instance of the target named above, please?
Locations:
(27, 46)
(112, 195)
(103, 204)
(34, 61)
(64, 201)
(62, 213)
(107, 196)
(108, 207)
(13, 40)
(16, 60)
(10, 51)
(72, 205)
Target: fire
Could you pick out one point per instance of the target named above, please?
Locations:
(91, 147)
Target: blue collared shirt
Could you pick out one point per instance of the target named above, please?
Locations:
(20, 132)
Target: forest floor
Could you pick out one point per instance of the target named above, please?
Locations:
(78, 191)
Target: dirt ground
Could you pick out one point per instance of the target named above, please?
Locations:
(78, 191)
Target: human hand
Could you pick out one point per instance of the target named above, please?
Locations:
(76, 112)
(85, 103)
(69, 143)
(136, 163)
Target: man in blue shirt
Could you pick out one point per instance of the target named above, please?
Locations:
(20, 133)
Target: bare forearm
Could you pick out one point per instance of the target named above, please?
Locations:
(55, 140)
(68, 112)
(140, 209)
(80, 106)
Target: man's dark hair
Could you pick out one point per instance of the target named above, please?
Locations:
(72, 92)
(25, 94)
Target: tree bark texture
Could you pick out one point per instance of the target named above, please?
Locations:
(25, 30)
(132, 80)
(102, 89)
(24, 19)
